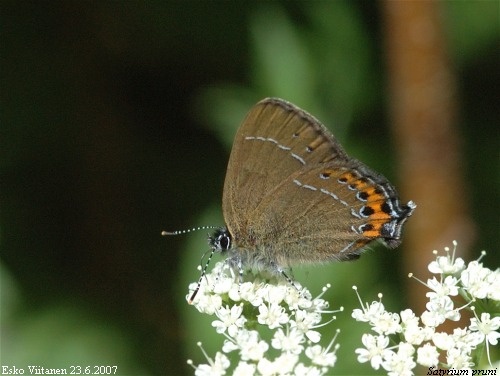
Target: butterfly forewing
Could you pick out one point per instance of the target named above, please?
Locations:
(275, 140)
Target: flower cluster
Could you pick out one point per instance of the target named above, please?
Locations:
(417, 340)
(271, 304)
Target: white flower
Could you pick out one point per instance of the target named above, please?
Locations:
(471, 283)
(285, 363)
(246, 291)
(408, 318)
(297, 298)
(405, 349)
(400, 363)
(368, 313)
(302, 370)
(215, 368)
(320, 304)
(313, 336)
(304, 322)
(475, 280)
(205, 302)
(251, 347)
(438, 310)
(230, 319)
(447, 264)
(276, 294)
(386, 323)
(415, 335)
(306, 319)
(223, 284)
(486, 327)
(382, 322)
(458, 359)
(432, 319)
(243, 304)
(245, 369)
(273, 315)
(266, 367)
(320, 356)
(290, 342)
(375, 350)
(465, 340)
(411, 330)
(427, 355)
(249, 344)
(486, 330)
(442, 340)
(447, 287)
(282, 365)
(229, 346)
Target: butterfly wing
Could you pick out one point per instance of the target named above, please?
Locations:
(275, 140)
(324, 213)
(292, 195)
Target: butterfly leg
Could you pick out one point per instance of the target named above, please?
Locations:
(299, 290)
(236, 263)
(240, 273)
(281, 271)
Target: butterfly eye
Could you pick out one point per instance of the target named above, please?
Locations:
(223, 241)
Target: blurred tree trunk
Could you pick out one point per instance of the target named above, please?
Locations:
(423, 109)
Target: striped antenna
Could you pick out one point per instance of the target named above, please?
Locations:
(203, 273)
(180, 232)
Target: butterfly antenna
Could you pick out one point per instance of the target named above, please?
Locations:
(203, 273)
(180, 232)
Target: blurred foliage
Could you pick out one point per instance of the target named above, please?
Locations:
(61, 335)
(116, 122)
(316, 54)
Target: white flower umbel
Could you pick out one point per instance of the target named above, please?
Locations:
(418, 340)
(269, 325)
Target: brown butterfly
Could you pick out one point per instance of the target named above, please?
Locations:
(293, 196)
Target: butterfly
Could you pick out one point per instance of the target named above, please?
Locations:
(293, 196)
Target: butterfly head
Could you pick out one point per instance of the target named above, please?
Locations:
(221, 240)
